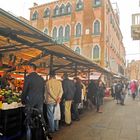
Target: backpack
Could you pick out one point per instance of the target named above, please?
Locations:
(118, 88)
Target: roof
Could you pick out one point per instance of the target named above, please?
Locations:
(29, 44)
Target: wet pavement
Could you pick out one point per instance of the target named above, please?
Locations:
(115, 123)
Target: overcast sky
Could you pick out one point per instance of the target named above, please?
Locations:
(126, 8)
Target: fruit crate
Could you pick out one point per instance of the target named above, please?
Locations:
(11, 121)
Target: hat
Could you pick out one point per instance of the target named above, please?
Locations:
(52, 73)
(65, 75)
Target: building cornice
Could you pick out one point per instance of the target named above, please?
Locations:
(46, 4)
(115, 18)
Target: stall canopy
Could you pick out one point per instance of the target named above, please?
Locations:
(20, 43)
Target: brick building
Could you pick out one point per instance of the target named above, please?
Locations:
(89, 27)
(133, 70)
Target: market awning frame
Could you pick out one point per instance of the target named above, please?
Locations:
(17, 37)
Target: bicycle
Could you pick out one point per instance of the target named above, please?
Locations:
(35, 119)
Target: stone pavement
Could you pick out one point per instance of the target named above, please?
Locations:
(115, 123)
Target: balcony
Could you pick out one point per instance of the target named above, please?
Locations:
(135, 28)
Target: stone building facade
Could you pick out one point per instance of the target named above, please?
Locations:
(133, 70)
(89, 27)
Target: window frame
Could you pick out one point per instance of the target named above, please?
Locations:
(96, 4)
(60, 38)
(35, 15)
(76, 49)
(78, 35)
(68, 6)
(66, 37)
(56, 33)
(79, 3)
(45, 30)
(62, 9)
(48, 11)
(56, 11)
(99, 54)
(95, 29)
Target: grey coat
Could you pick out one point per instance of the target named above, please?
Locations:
(68, 89)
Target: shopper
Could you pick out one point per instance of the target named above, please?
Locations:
(33, 97)
(69, 90)
(33, 89)
(113, 90)
(53, 97)
(118, 91)
(92, 89)
(99, 96)
(77, 98)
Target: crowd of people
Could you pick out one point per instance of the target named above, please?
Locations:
(66, 97)
(120, 89)
(62, 101)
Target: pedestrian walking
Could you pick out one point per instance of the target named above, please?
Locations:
(133, 88)
(92, 89)
(118, 91)
(99, 96)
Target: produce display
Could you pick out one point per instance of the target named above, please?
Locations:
(9, 99)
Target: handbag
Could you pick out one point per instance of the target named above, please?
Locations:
(57, 114)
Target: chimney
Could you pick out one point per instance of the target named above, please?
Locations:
(35, 4)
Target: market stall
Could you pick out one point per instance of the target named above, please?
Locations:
(21, 44)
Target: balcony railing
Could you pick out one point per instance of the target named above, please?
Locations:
(135, 28)
(136, 19)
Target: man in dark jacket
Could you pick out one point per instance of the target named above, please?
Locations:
(118, 91)
(68, 95)
(33, 90)
(77, 98)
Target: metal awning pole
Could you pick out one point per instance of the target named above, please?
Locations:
(25, 73)
(51, 63)
(88, 76)
(75, 70)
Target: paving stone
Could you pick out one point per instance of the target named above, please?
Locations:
(115, 123)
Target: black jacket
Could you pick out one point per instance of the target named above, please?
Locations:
(33, 90)
(68, 89)
(78, 93)
(92, 90)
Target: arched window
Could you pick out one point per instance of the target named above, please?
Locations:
(45, 31)
(60, 34)
(67, 32)
(97, 2)
(68, 8)
(78, 30)
(56, 11)
(96, 52)
(78, 50)
(79, 5)
(54, 34)
(96, 27)
(47, 13)
(35, 15)
(62, 9)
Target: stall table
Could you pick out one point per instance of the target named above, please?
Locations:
(11, 123)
